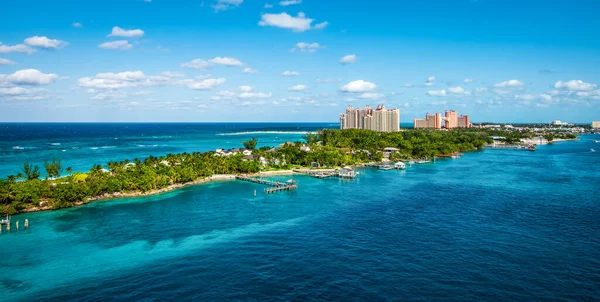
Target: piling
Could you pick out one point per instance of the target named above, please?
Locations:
(8, 227)
(26, 223)
(17, 224)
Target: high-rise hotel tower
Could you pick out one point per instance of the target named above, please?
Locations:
(379, 119)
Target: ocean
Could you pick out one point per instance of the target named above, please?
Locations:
(492, 225)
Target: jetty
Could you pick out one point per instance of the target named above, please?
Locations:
(346, 172)
(528, 147)
(5, 221)
(274, 186)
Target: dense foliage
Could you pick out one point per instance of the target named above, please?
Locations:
(328, 148)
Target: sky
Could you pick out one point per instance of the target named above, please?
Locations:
(297, 60)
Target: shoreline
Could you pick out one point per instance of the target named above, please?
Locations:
(117, 195)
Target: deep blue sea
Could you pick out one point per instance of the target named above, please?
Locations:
(492, 225)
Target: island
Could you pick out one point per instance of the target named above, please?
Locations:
(27, 191)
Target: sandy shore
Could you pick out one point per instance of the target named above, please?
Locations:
(220, 177)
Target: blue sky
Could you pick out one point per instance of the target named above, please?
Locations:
(292, 60)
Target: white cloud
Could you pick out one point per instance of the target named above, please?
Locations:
(203, 64)
(321, 25)
(6, 62)
(268, 5)
(298, 88)
(358, 86)
(226, 61)
(171, 74)
(44, 42)
(288, 73)
(289, 2)
(120, 44)
(118, 95)
(77, 25)
(348, 59)
(126, 79)
(456, 90)
(246, 88)
(299, 23)
(32, 77)
(576, 85)
(204, 84)
(22, 94)
(468, 81)
(437, 92)
(509, 83)
(306, 47)
(431, 79)
(370, 95)
(254, 95)
(480, 90)
(16, 48)
(249, 70)
(129, 33)
(226, 4)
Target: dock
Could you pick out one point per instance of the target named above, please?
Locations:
(326, 173)
(275, 186)
(511, 146)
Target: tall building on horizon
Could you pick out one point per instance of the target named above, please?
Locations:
(379, 119)
(434, 121)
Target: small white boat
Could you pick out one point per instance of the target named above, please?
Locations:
(386, 167)
(596, 141)
(592, 150)
(400, 165)
(423, 162)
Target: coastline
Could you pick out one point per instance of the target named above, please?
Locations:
(117, 195)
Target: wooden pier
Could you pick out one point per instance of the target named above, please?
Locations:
(511, 146)
(275, 186)
(326, 173)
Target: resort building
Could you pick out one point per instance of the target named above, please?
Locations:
(451, 119)
(596, 125)
(379, 119)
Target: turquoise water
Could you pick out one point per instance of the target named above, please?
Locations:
(493, 225)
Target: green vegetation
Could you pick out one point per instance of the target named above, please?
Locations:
(328, 148)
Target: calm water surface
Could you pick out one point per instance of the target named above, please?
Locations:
(493, 225)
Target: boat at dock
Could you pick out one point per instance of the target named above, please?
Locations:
(386, 167)
(400, 166)
(5, 221)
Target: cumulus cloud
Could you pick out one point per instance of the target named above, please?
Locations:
(442, 92)
(456, 90)
(77, 25)
(23, 94)
(31, 77)
(223, 5)
(358, 86)
(126, 79)
(254, 95)
(6, 62)
(289, 73)
(128, 33)
(204, 64)
(348, 59)
(120, 44)
(370, 95)
(306, 47)
(575, 85)
(509, 83)
(289, 2)
(16, 48)
(249, 70)
(431, 79)
(468, 81)
(204, 84)
(321, 25)
(246, 88)
(44, 42)
(298, 88)
(299, 23)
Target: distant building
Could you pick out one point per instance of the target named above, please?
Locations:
(451, 119)
(560, 123)
(379, 119)
(596, 125)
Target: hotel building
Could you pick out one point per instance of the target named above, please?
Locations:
(379, 119)
(451, 119)
(595, 125)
